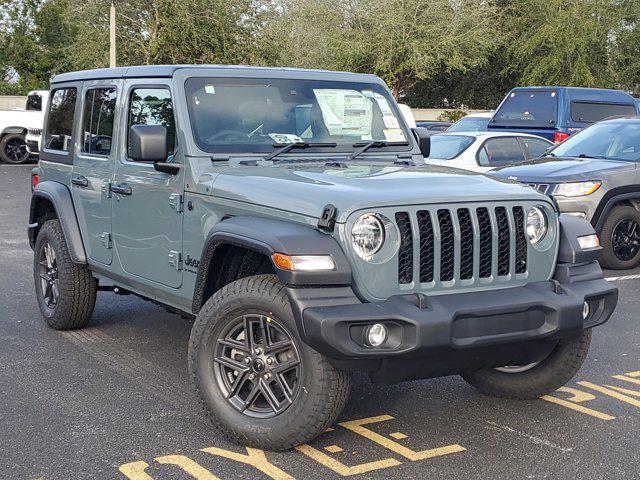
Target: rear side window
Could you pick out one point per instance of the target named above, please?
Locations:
(527, 108)
(589, 112)
(152, 106)
(60, 121)
(99, 112)
(34, 102)
(498, 152)
(535, 148)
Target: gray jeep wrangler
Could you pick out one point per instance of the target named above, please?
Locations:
(291, 213)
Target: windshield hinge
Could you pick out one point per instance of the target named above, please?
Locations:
(328, 218)
(175, 259)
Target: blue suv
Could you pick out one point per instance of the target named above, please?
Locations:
(556, 113)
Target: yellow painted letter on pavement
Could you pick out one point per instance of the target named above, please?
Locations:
(611, 393)
(342, 469)
(256, 458)
(577, 396)
(185, 463)
(135, 470)
(357, 426)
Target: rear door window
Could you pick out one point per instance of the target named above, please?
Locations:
(591, 112)
(534, 148)
(528, 108)
(60, 120)
(99, 112)
(498, 152)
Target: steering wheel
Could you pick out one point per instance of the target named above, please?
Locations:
(227, 135)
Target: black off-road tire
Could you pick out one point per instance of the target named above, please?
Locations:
(608, 258)
(77, 287)
(13, 138)
(323, 391)
(546, 377)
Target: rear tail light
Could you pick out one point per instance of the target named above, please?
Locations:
(559, 137)
(35, 180)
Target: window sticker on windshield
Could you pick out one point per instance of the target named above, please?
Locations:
(210, 89)
(394, 135)
(345, 112)
(390, 121)
(285, 138)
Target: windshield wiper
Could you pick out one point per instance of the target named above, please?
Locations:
(585, 155)
(290, 146)
(373, 144)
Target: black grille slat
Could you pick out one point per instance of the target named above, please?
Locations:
(466, 244)
(405, 254)
(503, 241)
(521, 241)
(446, 245)
(425, 228)
(486, 242)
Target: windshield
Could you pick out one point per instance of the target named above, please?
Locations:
(527, 108)
(618, 140)
(448, 147)
(469, 124)
(257, 115)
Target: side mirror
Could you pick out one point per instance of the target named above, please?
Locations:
(424, 140)
(148, 143)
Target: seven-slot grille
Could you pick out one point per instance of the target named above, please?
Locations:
(461, 244)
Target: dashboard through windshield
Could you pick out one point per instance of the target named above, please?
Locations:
(242, 115)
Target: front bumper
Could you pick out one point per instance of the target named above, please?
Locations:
(447, 334)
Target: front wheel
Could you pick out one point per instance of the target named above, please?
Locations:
(527, 382)
(258, 382)
(621, 238)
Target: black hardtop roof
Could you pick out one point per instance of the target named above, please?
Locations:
(159, 71)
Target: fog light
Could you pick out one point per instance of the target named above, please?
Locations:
(585, 310)
(376, 335)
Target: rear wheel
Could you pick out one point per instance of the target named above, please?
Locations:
(258, 382)
(536, 379)
(620, 238)
(66, 291)
(13, 149)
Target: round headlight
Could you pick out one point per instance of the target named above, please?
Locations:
(536, 225)
(367, 235)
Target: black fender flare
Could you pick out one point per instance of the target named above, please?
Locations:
(269, 236)
(8, 130)
(60, 197)
(613, 196)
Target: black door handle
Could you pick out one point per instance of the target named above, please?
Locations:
(121, 188)
(80, 181)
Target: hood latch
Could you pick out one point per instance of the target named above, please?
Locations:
(328, 218)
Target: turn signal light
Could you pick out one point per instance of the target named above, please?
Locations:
(303, 263)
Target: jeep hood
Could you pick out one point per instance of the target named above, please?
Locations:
(551, 169)
(304, 189)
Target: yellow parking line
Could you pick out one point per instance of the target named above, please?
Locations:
(135, 470)
(185, 463)
(577, 396)
(256, 458)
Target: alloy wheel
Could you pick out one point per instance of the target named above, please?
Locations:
(48, 272)
(16, 150)
(257, 366)
(626, 239)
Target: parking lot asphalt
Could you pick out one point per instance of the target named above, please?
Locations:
(114, 401)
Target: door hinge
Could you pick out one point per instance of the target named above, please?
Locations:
(105, 238)
(106, 188)
(175, 259)
(175, 200)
